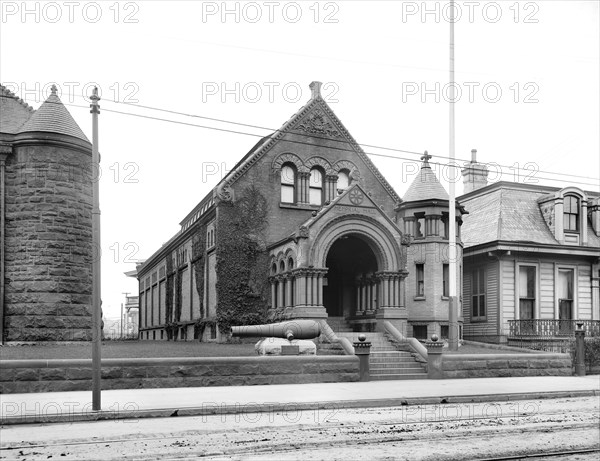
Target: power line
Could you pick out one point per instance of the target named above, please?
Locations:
(394, 157)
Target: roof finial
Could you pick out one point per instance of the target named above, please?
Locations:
(53, 89)
(425, 157)
(315, 88)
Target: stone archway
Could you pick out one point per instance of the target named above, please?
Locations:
(351, 277)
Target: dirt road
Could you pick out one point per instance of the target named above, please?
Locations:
(437, 432)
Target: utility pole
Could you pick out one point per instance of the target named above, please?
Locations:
(452, 303)
(96, 301)
(122, 318)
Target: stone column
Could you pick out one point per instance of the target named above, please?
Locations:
(331, 190)
(315, 289)
(303, 183)
(288, 291)
(358, 299)
(273, 293)
(280, 292)
(320, 289)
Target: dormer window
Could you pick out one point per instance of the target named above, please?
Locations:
(316, 187)
(288, 184)
(571, 214)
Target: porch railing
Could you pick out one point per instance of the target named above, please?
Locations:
(551, 328)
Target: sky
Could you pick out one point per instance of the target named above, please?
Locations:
(205, 80)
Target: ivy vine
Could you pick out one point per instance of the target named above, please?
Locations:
(242, 261)
(198, 251)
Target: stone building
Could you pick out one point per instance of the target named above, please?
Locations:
(304, 226)
(424, 213)
(45, 211)
(531, 259)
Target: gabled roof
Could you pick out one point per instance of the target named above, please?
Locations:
(426, 185)
(508, 212)
(14, 112)
(318, 120)
(53, 117)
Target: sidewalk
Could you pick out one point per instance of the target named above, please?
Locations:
(147, 403)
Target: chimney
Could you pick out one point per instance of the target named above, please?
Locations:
(474, 174)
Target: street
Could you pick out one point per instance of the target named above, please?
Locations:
(449, 431)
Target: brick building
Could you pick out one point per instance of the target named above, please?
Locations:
(45, 225)
(304, 226)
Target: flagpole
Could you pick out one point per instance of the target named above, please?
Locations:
(96, 254)
(453, 262)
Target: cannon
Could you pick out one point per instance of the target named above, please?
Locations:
(296, 329)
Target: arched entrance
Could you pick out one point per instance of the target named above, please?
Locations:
(351, 268)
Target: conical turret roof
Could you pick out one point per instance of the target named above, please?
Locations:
(426, 185)
(53, 117)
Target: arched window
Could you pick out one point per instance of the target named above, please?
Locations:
(290, 264)
(571, 213)
(343, 180)
(273, 269)
(282, 266)
(288, 184)
(316, 187)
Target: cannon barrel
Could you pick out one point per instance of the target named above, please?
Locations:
(296, 329)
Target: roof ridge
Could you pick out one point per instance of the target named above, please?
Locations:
(4, 91)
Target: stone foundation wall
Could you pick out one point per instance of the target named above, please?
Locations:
(504, 365)
(20, 376)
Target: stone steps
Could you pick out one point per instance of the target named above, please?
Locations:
(386, 361)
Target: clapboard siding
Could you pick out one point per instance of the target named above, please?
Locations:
(489, 326)
(547, 307)
(584, 292)
(507, 277)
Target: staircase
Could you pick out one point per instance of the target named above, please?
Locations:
(386, 360)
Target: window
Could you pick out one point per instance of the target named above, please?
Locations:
(526, 292)
(444, 231)
(565, 294)
(444, 331)
(571, 214)
(420, 226)
(290, 264)
(478, 295)
(343, 181)
(288, 184)
(446, 280)
(420, 331)
(316, 187)
(420, 280)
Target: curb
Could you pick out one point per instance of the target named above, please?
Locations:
(332, 406)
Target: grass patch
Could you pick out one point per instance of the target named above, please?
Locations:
(126, 349)
(472, 349)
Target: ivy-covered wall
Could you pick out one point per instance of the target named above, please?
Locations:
(242, 260)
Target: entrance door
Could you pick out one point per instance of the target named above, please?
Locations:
(349, 260)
